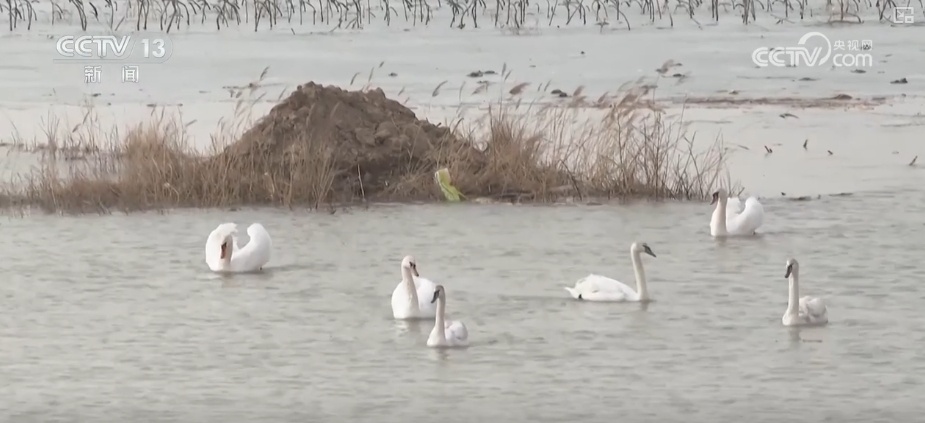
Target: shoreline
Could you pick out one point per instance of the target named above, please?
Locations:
(361, 206)
(856, 144)
(700, 120)
(324, 144)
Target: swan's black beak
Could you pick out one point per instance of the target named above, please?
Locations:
(224, 249)
(414, 270)
(715, 198)
(436, 295)
(648, 250)
(789, 269)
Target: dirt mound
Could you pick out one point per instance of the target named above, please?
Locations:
(353, 132)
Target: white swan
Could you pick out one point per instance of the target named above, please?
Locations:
(446, 333)
(224, 255)
(802, 311)
(411, 298)
(600, 288)
(731, 219)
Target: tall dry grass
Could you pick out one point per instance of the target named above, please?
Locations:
(628, 149)
(513, 15)
(625, 147)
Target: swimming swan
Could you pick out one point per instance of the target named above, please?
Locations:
(446, 333)
(600, 288)
(730, 219)
(411, 298)
(224, 255)
(802, 311)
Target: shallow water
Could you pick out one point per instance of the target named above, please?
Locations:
(118, 317)
(426, 67)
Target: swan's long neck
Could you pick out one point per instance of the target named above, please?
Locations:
(440, 321)
(719, 216)
(408, 279)
(793, 302)
(229, 250)
(640, 276)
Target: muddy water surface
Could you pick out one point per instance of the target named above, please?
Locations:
(118, 318)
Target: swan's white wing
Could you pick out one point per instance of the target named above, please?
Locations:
(456, 333)
(256, 253)
(747, 222)
(600, 283)
(257, 233)
(733, 206)
(257, 230)
(425, 289)
(425, 308)
(814, 309)
(754, 211)
(601, 288)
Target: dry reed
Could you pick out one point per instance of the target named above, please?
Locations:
(629, 149)
(516, 16)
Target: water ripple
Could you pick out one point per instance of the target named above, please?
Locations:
(117, 317)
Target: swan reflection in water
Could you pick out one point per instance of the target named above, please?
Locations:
(403, 327)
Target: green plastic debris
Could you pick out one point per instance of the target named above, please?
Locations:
(452, 194)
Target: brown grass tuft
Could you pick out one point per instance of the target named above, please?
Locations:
(620, 147)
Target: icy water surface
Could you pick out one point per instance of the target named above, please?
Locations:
(118, 319)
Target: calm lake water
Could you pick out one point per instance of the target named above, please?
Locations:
(116, 318)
